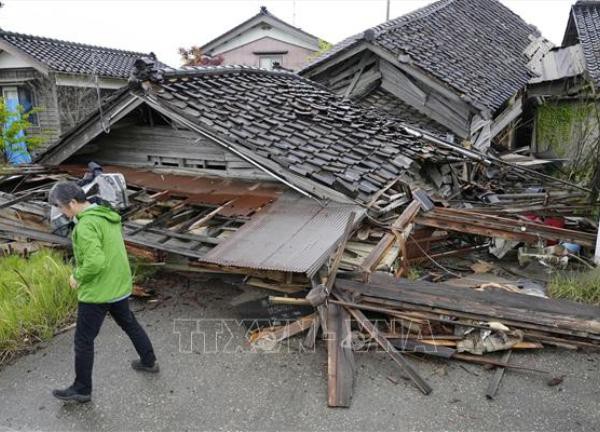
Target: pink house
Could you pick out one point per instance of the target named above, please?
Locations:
(263, 41)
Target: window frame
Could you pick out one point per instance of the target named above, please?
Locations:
(33, 119)
(272, 57)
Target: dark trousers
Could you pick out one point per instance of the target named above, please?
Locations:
(89, 320)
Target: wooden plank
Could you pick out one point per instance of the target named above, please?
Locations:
(16, 229)
(387, 346)
(512, 309)
(448, 121)
(494, 384)
(337, 259)
(204, 220)
(340, 358)
(286, 331)
(512, 229)
(361, 67)
(397, 78)
(370, 263)
(311, 336)
(507, 116)
(346, 72)
(330, 63)
(365, 83)
(597, 253)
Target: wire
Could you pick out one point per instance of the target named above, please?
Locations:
(434, 261)
(105, 125)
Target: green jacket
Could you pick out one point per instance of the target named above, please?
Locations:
(102, 268)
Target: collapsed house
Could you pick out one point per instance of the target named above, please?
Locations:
(270, 175)
(461, 65)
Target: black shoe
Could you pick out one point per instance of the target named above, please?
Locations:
(139, 366)
(69, 394)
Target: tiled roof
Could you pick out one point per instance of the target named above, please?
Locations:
(585, 23)
(74, 58)
(475, 46)
(298, 124)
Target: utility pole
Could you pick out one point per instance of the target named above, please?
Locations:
(387, 10)
(294, 12)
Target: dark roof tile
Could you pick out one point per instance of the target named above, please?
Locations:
(357, 161)
(585, 23)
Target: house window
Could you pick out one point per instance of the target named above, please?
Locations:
(22, 96)
(268, 61)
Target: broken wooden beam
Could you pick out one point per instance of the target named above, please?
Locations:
(376, 255)
(278, 334)
(495, 226)
(387, 346)
(340, 358)
(337, 258)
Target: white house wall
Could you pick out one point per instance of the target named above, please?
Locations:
(8, 61)
(257, 33)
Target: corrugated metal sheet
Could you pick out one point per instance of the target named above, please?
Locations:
(294, 234)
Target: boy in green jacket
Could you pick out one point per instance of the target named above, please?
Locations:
(102, 278)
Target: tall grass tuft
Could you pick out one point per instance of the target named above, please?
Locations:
(35, 299)
(579, 287)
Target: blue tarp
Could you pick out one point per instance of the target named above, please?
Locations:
(17, 153)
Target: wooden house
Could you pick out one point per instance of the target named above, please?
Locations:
(459, 63)
(263, 41)
(65, 79)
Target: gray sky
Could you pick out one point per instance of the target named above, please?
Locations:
(164, 25)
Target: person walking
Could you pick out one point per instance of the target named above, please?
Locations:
(103, 281)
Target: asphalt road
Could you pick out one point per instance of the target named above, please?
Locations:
(226, 386)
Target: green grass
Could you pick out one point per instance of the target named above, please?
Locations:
(35, 299)
(579, 287)
(141, 269)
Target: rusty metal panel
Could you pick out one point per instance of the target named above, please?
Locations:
(247, 196)
(295, 234)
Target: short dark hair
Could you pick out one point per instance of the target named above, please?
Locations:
(64, 192)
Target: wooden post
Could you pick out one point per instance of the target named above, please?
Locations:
(597, 254)
(340, 358)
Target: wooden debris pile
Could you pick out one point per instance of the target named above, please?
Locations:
(367, 308)
(359, 299)
(156, 222)
(400, 316)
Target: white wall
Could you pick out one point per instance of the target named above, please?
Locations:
(8, 61)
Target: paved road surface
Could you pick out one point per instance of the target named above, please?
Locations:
(282, 391)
